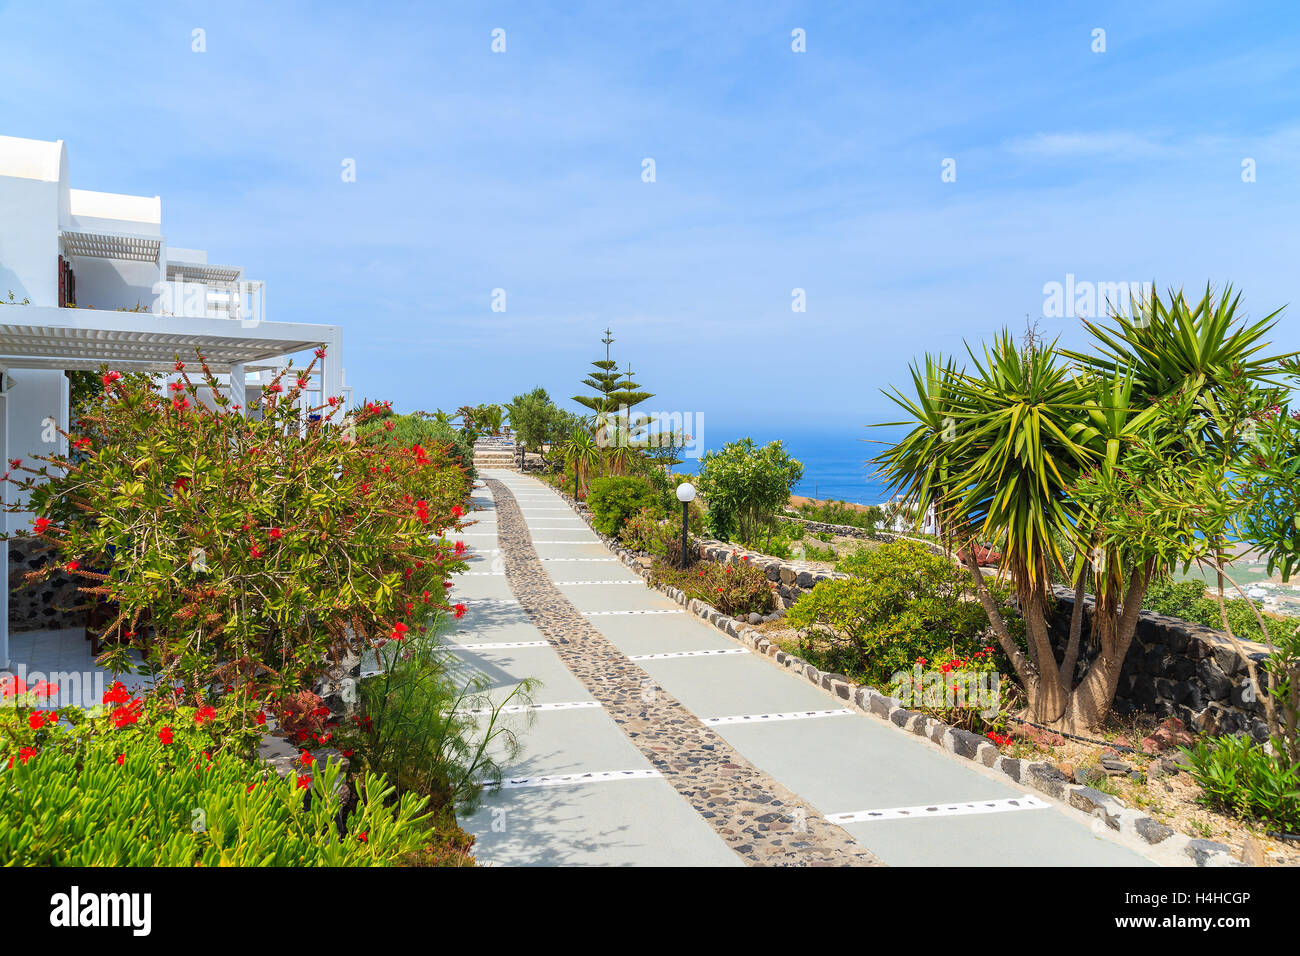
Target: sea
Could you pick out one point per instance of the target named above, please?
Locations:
(835, 461)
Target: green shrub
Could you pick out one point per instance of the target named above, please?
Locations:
(1238, 776)
(1189, 600)
(102, 802)
(616, 498)
(901, 603)
(738, 588)
(745, 486)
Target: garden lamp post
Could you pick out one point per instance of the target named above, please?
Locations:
(685, 494)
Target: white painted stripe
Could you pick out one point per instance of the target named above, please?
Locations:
(589, 541)
(769, 718)
(579, 559)
(712, 653)
(616, 581)
(529, 708)
(503, 645)
(489, 601)
(608, 613)
(569, 779)
(483, 574)
(1027, 802)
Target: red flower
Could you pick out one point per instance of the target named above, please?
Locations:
(399, 631)
(117, 694)
(460, 611)
(304, 783)
(36, 720)
(364, 836)
(72, 565)
(261, 718)
(121, 759)
(460, 547)
(165, 735)
(254, 550)
(276, 534)
(40, 525)
(180, 366)
(205, 714)
(456, 511)
(320, 353)
(111, 377)
(128, 714)
(24, 755)
(306, 759)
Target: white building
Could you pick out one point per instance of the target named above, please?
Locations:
(94, 282)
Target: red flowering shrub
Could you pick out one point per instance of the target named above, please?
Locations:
(241, 555)
(733, 589)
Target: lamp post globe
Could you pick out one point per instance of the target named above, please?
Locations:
(685, 494)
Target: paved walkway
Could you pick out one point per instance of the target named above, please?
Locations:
(658, 741)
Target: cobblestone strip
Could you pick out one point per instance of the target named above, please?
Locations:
(761, 820)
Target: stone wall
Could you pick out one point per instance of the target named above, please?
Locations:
(820, 527)
(44, 604)
(792, 578)
(1173, 669)
(1178, 669)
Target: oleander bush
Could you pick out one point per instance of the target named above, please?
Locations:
(616, 498)
(242, 555)
(1237, 775)
(384, 428)
(647, 531)
(734, 589)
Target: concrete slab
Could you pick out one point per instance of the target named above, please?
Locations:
(627, 823)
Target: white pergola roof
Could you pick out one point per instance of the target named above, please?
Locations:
(106, 245)
(55, 338)
(199, 272)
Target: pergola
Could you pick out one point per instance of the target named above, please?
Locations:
(54, 338)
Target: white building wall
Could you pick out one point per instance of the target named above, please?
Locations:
(29, 240)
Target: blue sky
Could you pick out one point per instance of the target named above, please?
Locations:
(775, 170)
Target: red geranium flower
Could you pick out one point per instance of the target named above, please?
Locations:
(460, 611)
(165, 735)
(205, 714)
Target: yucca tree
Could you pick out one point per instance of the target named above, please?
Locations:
(580, 452)
(1107, 470)
(920, 466)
